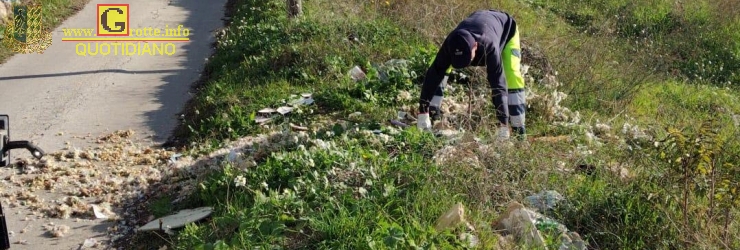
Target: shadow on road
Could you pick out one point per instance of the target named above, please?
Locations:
(175, 93)
(172, 98)
(122, 71)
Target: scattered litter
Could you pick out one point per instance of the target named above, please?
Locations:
(357, 74)
(284, 110)
(174, 158)
(232, 156)
(544, 200)
(472, 240)
(308, 101)
(527, 226)
(447, 133)
(102, 211)
(355, 114)
(401, 115)
(305, 99)
(57, 231)
(400, 124)
(262, 120)
(89, 243)
(180, 219)
(267, 111)
(299, 128)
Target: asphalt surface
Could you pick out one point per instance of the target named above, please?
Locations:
(59, 92)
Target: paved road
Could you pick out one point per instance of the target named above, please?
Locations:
(59, 91)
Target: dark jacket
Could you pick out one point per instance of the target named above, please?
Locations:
(492, 29)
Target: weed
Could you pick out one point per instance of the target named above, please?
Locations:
(353, 182)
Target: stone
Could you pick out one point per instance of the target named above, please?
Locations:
(452, 218)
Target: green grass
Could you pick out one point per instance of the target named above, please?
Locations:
(53, 12)
(342, 187)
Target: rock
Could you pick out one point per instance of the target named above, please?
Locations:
(571, 240)
(452, 218)
(357, 74)
(505, 242)
(518, 221)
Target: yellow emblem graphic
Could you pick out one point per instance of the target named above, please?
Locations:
(26, 33)
(113, 20)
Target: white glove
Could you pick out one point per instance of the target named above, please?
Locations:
(423, 122)
(503, 133)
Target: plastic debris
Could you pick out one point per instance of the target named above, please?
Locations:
(472, 240)
(299, 128)
(401, 115)
(527, 226)
(267, 111)
(306, 99)
(398, 123)
(89, 243)
(174, 158)
(262, 120)
(447, 133)
(102, 211)
(180, 219)
(284, 110)
(544, 200)
(232, 156)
